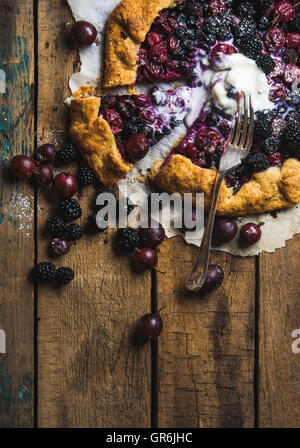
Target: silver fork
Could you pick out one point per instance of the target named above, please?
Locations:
(236, 151)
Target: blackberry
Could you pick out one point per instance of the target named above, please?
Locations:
(271, 145)
(127, 239)
(74, 232)
(44, 271)
(224, 33)
(263, 23)
(265, 63)
(210, 39)
(262, 5)
(244, 28)
(86, 176)
(246, 9)
(251, 47)
(67, 154)
(56, 226)
(289, 56)
(63, 275)
(256, 162)
(262, 129)
(70, 210)
(293, 117)
(291, 136)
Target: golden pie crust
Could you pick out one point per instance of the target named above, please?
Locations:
(273, 189)
(127, 28)
(93, 136)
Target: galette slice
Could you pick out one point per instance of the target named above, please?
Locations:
(114, 132)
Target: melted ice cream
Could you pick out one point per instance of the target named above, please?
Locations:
(244, 75)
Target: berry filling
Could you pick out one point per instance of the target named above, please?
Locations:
(222, 48)
(140, 121)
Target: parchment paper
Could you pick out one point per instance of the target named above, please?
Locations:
(276, 229)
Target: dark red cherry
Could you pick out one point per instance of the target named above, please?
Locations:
(284, 11)
(142, 100)
(250, 234)
(127, 107)
(136, 147)
(60, 246)
(207, 140)
(221, 49)
(172, 44)
(22, 166)
(152, 236)
(158, 54)
(65, 185)
(45, 153)
(217, 6)
(149, 327)
(145, 259)
(214, 279)
(225, 230)
(114, 120)
(42, 175)
(291, 73)
(277, 92)
(153, 38)
(275, 159)
(83, 34)
(274, 39)
(293, 40)
(147, 115)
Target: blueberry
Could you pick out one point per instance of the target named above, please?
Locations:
(174, 122)
(190, 33)
(191, 21)
(166, 130)
(182, 19)
(180, 33)
(179, 54)
(147, 129)
(232, 92)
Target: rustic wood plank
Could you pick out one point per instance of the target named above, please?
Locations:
(90, 372)
(279, 311)
(206, 350)
(16, 215)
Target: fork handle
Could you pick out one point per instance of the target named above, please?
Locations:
(198, 275)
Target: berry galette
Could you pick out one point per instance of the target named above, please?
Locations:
(216, 49)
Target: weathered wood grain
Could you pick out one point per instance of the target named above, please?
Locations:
(16, 215)
(279, 316)
(206, 350)
(90, 373)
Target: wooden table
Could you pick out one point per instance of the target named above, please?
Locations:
(222, 361)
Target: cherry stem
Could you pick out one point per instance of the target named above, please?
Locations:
(162, 308)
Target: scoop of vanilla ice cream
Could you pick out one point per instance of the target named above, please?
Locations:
(242, 73)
